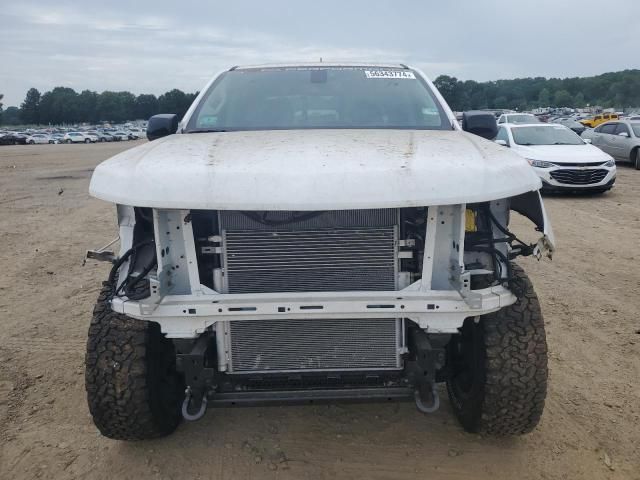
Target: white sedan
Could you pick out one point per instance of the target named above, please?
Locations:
(562, 159)
(38, 138)
(518, 118)
(120, 135)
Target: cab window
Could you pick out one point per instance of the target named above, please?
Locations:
(503, 135)
(608, 128)
(621, 128)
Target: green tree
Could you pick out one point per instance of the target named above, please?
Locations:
(448, 88)
(146, 106)
(30, 108)
(175, 101)
(115, 106)
(578, 100)
(501, 102)
(87, 105)
(60, 106)
(562, 98)
(11, 116)
(544, 97)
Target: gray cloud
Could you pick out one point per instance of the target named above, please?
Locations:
(145, 47)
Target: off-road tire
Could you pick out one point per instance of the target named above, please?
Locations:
(498, 380)
(133, 389)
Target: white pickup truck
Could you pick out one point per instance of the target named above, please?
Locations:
(317, 232)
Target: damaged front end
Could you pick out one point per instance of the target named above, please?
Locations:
(323, 305)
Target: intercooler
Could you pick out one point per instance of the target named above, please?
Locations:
(350, 250)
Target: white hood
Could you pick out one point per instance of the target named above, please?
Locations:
(313, 170)
(583, 153)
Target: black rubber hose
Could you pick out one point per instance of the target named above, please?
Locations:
(139, 277)
(502, 228)
(118, 263)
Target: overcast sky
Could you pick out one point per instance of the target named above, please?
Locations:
(151, 46)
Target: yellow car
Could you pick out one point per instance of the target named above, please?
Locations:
(598, 119)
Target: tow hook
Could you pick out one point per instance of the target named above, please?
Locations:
(187, 404)
(431, 403)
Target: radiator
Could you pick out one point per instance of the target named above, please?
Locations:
(314, 345)
(352, 250)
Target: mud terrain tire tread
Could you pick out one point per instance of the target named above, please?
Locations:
(133, 390)
(509, 396)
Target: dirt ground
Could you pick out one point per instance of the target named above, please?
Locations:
(589, 295)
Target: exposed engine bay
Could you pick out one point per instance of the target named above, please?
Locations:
(194, 257)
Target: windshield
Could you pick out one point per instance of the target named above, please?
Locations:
(522, 119)
(313, 97)
(545, 135)
(636, 128)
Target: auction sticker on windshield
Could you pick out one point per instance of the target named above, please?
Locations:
(400, 74)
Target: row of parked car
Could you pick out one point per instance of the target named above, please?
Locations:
(72, 136)
(570, 157)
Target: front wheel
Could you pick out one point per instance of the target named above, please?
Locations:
(635, 158)
(498, 380)
(133, 388)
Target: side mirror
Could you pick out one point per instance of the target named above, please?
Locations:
(162, 125)
(480, 123)
(587, 140)
(502, 143)
(623, 134)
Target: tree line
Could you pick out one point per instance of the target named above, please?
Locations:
(64, 105)
(620, 90)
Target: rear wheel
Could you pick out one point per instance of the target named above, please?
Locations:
(133, 389)
(498, 380)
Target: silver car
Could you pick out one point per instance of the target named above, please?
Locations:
(620, 139)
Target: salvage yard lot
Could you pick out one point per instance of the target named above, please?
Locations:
(589, 295)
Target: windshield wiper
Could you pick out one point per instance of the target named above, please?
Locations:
(564, 143)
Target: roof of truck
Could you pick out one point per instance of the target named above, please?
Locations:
(320, 64)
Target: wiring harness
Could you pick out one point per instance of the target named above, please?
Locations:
(130, 286)
(487, 244)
